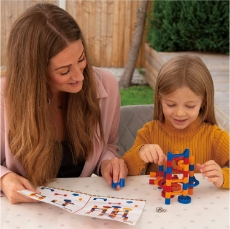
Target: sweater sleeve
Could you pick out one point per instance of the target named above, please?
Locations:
(221, 147)
(226, 178)
(221, 153)
(134, 163)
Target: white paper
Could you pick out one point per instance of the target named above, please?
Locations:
(120, 209)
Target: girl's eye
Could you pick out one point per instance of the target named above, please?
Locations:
(170, 105)
(64, 73)
(190, 107)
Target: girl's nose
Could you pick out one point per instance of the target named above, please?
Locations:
(179, 112)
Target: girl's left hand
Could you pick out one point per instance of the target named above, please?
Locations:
(113, 170)
(212, 171)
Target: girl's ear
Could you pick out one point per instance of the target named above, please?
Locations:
(203, 103)
(159, 98)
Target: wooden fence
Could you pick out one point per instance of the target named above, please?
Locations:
(107, 25)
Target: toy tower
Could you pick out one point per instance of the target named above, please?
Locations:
(173, 185)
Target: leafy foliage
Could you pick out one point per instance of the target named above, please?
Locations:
(189, 26)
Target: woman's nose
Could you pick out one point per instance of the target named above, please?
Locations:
(77, 73)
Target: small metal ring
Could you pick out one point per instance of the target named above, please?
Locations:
(160, 209)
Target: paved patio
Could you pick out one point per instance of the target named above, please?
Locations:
(138, 78)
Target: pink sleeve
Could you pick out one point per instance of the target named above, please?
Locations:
(112, 148)
(4, 128)
(110, 109)
(109, 102)
(8, 163)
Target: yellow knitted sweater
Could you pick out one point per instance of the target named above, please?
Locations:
(204, 141)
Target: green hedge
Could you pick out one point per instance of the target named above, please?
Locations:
(189, 26)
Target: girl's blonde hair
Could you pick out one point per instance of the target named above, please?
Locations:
(40, 33)
(189, 71)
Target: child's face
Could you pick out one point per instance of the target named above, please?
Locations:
(181, 107)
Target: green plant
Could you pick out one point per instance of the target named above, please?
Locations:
(189, 26)
(141, 71)
(136, 95)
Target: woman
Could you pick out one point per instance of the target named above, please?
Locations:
(59, 115)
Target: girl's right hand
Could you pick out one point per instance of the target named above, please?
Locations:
(152, 153)
(11, 183)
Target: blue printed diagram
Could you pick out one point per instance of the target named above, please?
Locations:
(120, 209)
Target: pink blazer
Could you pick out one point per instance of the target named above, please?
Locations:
(109, 100)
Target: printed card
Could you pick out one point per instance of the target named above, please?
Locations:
(120, 209)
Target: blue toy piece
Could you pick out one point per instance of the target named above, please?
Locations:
(193, 182)
(121, 183)
(184, 199)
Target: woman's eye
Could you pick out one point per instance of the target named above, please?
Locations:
(82, 59)
(64, 73)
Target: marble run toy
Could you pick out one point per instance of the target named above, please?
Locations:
(177, 163)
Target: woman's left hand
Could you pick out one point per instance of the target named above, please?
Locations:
(114, 170)
(212, 171)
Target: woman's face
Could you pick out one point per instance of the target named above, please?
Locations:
(65, 70)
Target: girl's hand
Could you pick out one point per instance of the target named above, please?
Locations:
(114, 170)
(212, 171)
(152, 153)
(11, 183)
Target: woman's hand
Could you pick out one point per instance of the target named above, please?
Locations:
(152, 153)
(212, 171)
(114, 170)
(11, 183)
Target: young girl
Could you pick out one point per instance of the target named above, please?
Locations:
(183, 118)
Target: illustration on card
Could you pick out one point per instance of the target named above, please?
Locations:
(120, 209)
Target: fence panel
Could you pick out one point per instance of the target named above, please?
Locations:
(107, 25)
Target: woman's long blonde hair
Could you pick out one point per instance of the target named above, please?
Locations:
(40, 33)
(189, 71)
